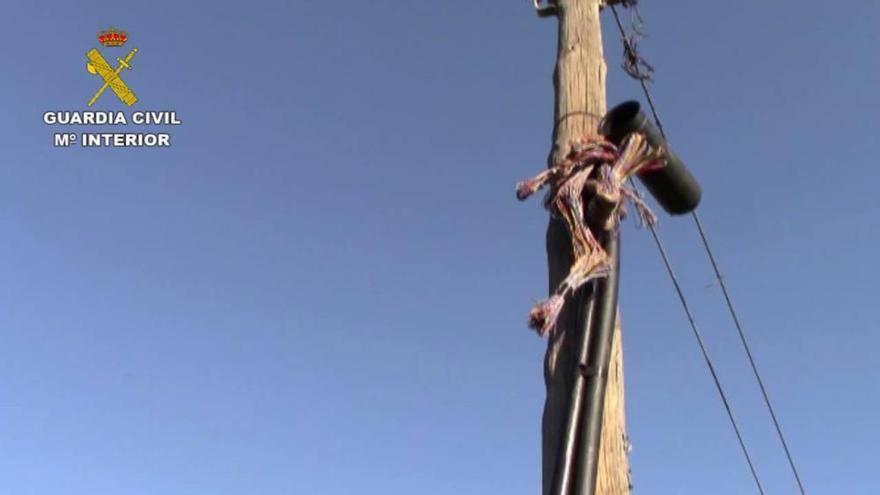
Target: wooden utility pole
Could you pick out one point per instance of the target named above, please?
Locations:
(579, 81)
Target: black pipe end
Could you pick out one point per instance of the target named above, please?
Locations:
(621, 120)
(672, 186)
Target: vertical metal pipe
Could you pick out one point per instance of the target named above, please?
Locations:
(596, 370)
(563, 479)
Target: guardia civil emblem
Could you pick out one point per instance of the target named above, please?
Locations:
(98, 65)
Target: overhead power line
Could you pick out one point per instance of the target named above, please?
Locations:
(638, 68)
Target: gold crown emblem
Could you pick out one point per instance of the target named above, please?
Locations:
(112, 37)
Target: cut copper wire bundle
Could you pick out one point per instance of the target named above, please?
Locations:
(587, 188)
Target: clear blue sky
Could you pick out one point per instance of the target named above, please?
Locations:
(321, 288)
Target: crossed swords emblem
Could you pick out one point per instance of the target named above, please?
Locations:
(98, 65)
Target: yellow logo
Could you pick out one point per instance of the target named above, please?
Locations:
(117, 128)
(97, 64)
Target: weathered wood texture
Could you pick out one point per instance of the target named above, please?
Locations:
(580, 102)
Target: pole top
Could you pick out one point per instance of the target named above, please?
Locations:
(549, 8)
